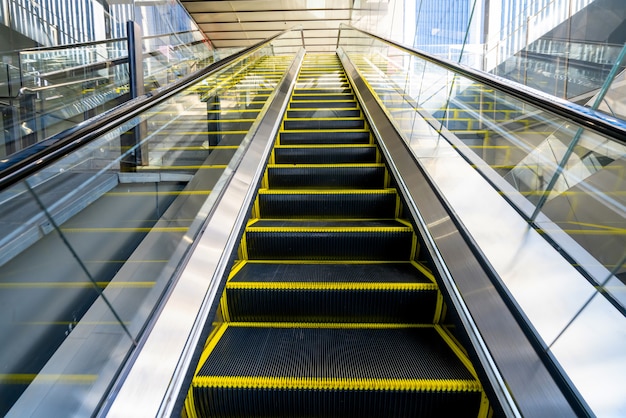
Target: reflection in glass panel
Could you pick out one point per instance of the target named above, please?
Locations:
(518, 148)
(80, 279)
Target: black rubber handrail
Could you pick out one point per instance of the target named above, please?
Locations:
(18, 166)
(585, 117)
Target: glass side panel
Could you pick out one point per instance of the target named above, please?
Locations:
(513, 141)
(566, 182)
(90, 244)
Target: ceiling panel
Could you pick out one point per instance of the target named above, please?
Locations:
(241, 23)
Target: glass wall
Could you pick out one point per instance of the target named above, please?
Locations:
(92, 242)
(565, 48)
(66, 61)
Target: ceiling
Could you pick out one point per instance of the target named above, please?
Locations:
(241, 23)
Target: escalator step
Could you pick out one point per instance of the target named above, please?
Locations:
(318, 104)
(373, 293)
(356, 204)
(359, 177)
(324, 113)
(325, 137)
(308, 97)
(319, 123)
(329, 245)
(322, 91)
(334, 372)
(325, 155)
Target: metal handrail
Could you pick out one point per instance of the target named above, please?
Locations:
(585, 117)
(22, 164)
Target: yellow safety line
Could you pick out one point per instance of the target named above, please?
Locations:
(161, 193)
(439, 307)
(485, 410)
(274, 261)
(121, 229)
(313, 383)
(330, 191)
(332, 286)
(329, 325)
(455, 348)
(312, 109)
(336, 118)
(212, 341)
(323, 229)
(323, 146)
(76, 285)
(28, 378)
(179, 133)
(351, 165)
(237, 266)
(190, 405)
(195, 148)
(185, 167)
(65, 323)
(224, 307)
(324, 101)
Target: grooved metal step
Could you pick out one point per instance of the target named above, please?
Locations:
(328, 204)
(279, 292)
(334, 372)
(325, 155)
(370, 176)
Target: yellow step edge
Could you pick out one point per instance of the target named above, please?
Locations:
(311, 109)
(195, 148)
(329, 325)
(322, 262)
(324, 101)
(308, 383)
(351, 165)
(329, 229)
(336, 118)
(332, 286)
(324, 192)
(326, 146)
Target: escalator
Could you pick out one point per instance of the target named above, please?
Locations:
(328, 309)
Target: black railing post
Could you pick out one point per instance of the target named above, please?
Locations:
(130, 141)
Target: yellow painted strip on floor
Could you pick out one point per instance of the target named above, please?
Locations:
(332, 286)
(195, 148)
(28, 378)
(184, 167)
(73, 323)
(311, 383)
(76, 285)
(161, 193)
(114, 230)
(183, 133)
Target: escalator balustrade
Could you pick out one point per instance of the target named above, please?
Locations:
(326, 311)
